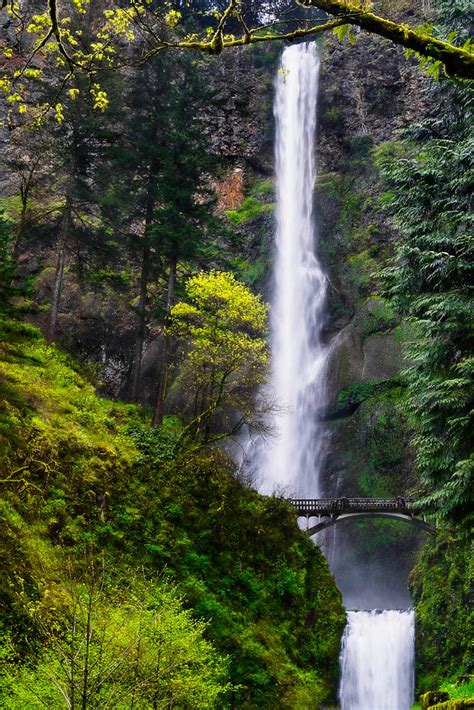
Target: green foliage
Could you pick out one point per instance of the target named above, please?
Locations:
(250, 209)
(262, 188)
(443, 572)
(332, 115)
(251, 272)
(360, 146)
(382, 472)
(72, 426)
(224, 352)
(137, 647)
(430, 283)
(363, 268)
(459, 689)
(90, 487)
(379, 318)
(159, 444)
(349, 398)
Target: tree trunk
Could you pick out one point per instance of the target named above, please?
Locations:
(25, 186)
(22, 221)
(144, 279)
(158, 414)
(59, 273)
(173, 263)
(85, 682)
(141, 326)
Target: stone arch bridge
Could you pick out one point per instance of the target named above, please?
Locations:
(329, 511)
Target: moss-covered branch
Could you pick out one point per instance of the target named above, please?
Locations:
(218, 42)
(457, 61)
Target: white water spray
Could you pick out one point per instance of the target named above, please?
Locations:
(377, 660)
(298, 352)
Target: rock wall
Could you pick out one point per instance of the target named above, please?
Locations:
(368, 93)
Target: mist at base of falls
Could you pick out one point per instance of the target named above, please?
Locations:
(369, 577)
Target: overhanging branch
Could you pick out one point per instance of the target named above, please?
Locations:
(458, 62)
(249, 37)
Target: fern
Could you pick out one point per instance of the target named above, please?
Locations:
(429, 176)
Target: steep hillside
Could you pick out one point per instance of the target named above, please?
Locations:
(98, 506)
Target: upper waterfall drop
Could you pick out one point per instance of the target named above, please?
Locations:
(294, 457)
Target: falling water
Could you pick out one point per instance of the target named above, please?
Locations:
(377, 652)
(298, 306)
(377, 661)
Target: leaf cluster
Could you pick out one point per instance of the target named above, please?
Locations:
(223, 350)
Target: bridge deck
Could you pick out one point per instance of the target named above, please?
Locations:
(335, 506)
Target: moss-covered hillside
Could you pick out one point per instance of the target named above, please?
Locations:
(441, 584)
(101, 514)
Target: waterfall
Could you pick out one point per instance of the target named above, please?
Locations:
(298, 305)
(377, 651)
(377, 660)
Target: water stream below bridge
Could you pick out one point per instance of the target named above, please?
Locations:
(377, 649)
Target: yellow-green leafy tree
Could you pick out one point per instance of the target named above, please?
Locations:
(132, 648)
(223, 356)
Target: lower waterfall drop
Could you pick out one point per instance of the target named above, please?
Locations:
(377, 660)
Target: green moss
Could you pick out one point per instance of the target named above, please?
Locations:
(251, 272)
(380, 318)
(329, 183)
(332, 115)
(351, 397)
(443, 572)
(250, 209)
(360, 145)
(461, 688)
(433, 697)
(263, 187)
(363, 269)
(466, 704)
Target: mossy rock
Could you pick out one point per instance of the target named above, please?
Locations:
(461, 703)
(432, 697)
(250, 209)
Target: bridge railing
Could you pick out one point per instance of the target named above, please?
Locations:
(328, 506)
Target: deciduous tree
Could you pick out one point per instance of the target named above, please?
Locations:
(223, 353)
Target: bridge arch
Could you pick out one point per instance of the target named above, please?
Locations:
(332, 510)
(329, 522)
